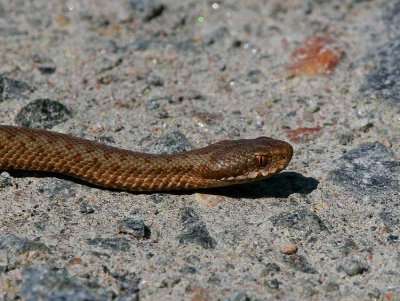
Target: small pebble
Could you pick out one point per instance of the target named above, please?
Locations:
(289, 249)
(209, 200)
(136, 228)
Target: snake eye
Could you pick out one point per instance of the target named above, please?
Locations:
(262, 160)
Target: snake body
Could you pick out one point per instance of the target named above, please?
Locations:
(220, 164)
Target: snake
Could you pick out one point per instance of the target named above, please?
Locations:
(224, 163)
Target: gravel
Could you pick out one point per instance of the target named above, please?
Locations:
(169, 76)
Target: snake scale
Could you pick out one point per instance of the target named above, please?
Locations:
(220, 164)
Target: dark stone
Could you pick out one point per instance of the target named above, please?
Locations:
(195, 230)
(237, 43)
(270, 269)
(85, 208)
(215, 280)
(17, 245)
(147, 9)
(130, 297)
(384, 80)
(254, 76)
(161, 113)
(238, 296)
(128, 285)
(346, 138)
(155, 80)
(154, 104)
(136, 228)
(173, 142)
(10, 88)
(389, 218)
(217, 36)
(157, 197)
(39, 283)
(299, 263)
(392, 239)
(369, 169)
(47, 70)
(42, 113)
(353, 267)
(392, 17)
(299, 220)
(188, 270)
(273, 283)
(105, 139)
(58, 188)
(5, 180)
(114, 243)
(331, 287)
(143, 45)
(349, 247)
(367, 127)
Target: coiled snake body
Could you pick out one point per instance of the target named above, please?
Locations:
(221, 164)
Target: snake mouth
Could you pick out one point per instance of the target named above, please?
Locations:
(267, 166)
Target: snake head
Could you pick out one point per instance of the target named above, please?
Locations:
(246, 159)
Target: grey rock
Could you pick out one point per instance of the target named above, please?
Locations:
(17, 245)
(384, 80)
(155, 80)
(5, 180)
(389, 218)
(188, 270)
(114, 243)
(161, 113)
(217, 36)
(392, 17)
(85, 208)
(299, 220)
(392, 239)
(348, 247)
(43, 113)
(147, 9)
(136, 228)
(299, 263)
(40, 283)
(353, 267)
(273, 283)
(369, 169)
(47, 70)
(10, 88)
(270, 269)
(130, 297)
(254, 76)
(346, 138)
(238, 296)
(58, 188)
(195, 230)
(331, 287)
(158, 197)
(173, 142)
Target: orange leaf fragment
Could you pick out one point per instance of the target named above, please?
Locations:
(316, 56)
(303, 134)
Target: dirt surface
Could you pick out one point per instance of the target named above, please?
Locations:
(167, 76)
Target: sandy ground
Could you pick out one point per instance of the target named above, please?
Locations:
(167, 76)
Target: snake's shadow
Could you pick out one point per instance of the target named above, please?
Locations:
(279, 186)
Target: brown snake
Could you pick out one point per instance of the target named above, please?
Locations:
(220, 164)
